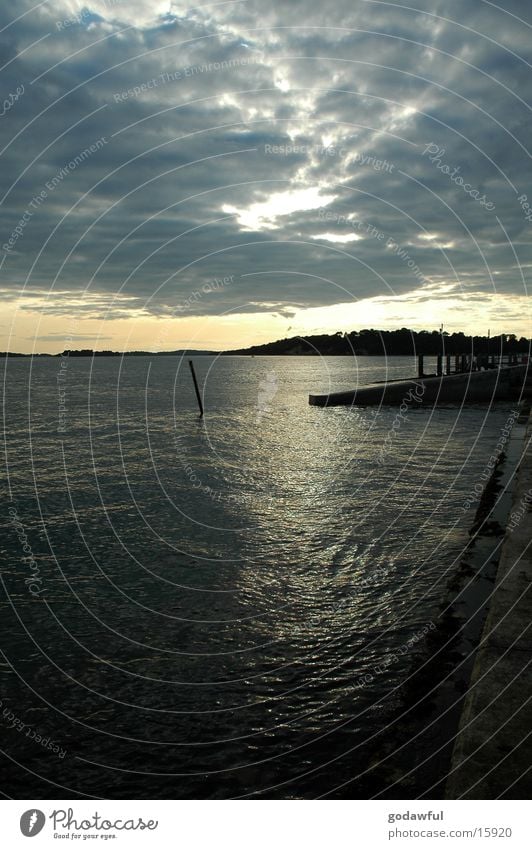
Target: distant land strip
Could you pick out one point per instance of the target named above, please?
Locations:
(371, 343)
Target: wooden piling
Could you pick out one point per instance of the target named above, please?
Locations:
(439, 369)
(420, 372)
(196, 387)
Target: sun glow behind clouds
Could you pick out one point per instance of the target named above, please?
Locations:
(338, 237)
(264, 215)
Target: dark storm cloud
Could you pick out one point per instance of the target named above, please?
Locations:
(138, 143)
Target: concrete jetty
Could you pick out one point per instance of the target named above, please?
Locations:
(491, 756)
(471, 386)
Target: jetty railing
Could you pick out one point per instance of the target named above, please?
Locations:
(460, 363)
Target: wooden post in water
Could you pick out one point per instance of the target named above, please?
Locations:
(420, 365)
(196, 387)
(439, 370)
(448, 364)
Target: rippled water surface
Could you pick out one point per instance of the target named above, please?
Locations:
(218, 597)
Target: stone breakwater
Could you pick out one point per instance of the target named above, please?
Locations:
(491, 758)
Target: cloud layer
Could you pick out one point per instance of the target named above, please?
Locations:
(319, 155)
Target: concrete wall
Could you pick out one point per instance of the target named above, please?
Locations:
(492, 754)
(449, 389)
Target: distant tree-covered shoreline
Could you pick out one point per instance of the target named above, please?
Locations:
(403, 342)
(372, 343)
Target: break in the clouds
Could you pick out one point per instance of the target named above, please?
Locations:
(311, 154)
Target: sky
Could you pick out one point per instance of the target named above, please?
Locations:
(223, 174)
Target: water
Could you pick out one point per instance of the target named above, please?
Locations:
(226, 607)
